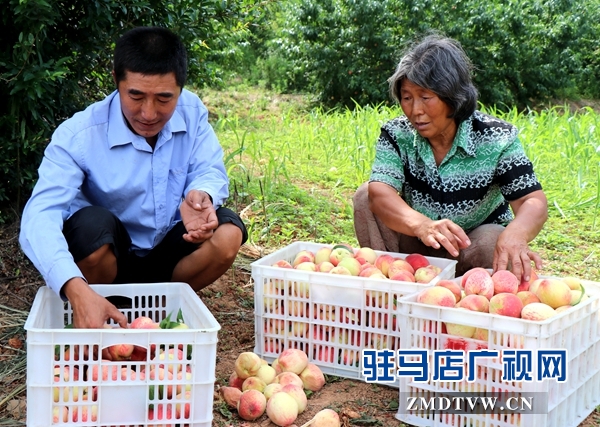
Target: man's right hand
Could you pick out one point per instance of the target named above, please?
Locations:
(90, 310)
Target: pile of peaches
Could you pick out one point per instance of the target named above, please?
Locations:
(342, 259)
(502, 293)
(279, 389)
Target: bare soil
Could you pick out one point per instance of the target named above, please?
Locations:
(230, 299)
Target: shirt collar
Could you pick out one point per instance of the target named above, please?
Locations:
(462, 139)
(120, 134)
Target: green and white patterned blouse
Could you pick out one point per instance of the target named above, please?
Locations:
(485, 168)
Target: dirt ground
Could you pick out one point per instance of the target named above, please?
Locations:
(230, 299)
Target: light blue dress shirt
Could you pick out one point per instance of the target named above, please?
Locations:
(94, 159)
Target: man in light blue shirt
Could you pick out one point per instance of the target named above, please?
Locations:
(131, 189)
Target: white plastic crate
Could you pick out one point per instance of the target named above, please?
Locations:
(576, 330)
(330, 317)
(125, 398)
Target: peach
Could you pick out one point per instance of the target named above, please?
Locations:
(537, 311)
(266, 373)
(282, 409)
(417, 261)
(293, 360)
(460, 330)
(574, 283)
(506, 304)
(340, 269)
(383, 263)
(303, 256)
(186, 407)
(297, 394)
(88, 413)
(235, 381)
(275, 365)
(576, 296)
(170, 356)
(553, 292)
(326, 418)
(338, 253)
(524, 285)
(109, 371)
(481, 334)
(403, 276)
(399, 265)
(475, 303)
(452, 286)
(351, 264)
(306, 266)
(139, 354)
(324, 267)
(527, 297)
(283, 264)
(437, 295)
(247, 364)
(144, 322)
(468, 273)
(253, 383)
(427, 274)
(505, 281)
(286, 378)
(562, 308)
(322, 255)
(312, 377)
(366, 272)
(533, 285)
(60, 414)
(479, 283)
(252, 404)
(367, 255)
(120, 351)
(377, 275)
(271, 389)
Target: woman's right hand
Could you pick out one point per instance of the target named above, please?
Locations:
(442, 233)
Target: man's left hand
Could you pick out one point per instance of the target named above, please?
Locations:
(199, 216)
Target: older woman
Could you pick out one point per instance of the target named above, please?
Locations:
(446, 177)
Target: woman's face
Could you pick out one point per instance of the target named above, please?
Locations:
(427, 113)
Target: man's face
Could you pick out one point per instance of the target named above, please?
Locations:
(148, 101)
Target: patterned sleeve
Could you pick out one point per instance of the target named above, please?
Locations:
(515, 174)
(387, 166)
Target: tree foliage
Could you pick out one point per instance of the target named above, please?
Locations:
(55, 58)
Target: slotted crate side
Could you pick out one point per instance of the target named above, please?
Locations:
(575, 330)
(122, 395)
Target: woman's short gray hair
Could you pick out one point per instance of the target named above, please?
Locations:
(440, 65)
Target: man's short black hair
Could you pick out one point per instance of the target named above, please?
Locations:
(150, 51)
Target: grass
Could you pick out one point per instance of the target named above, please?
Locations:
(294, 168)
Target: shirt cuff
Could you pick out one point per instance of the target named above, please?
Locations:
(60, 273)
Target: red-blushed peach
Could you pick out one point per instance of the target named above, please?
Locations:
(322, 254)
(367, 255)
(282, 264)
(247, 364)
(306, 266)
(468, 273)
(481, 334)
(298, 394)
(537, 311)
(524, 285)
(271, 389)
(282, 409)
(506, 304)
(383, 263)
(266, 373)
(303, 256)
(235, 381)
(340, 269)
(231, 396)
(479, 283)
(312, 377)
(437, 295)
(427, 274)
(527, 297)
(365, 266)
(351, 264)
(120, 351)
(403, 276)
(475, 303)
(60, 414)
(505, 281)
(275, 365)
(457, 329)
(288, 377)
(562, 308)
(553, 292)
(399, 265)
(324, 267)
(338, 253)
(326, 418)
(533, 285)
(293, 360)
(368, 271)
(143, 322)
(452, 286)
(253, 383)
(252, 404)
(417, 261)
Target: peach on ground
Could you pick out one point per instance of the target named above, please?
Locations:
(326, 418)
(252, 404)
(266, 373)
(297, 394)
(286, 378)
(312, 377)
(537, 311)
(399, 265)
(383, 263)
(231, 395)
(553, 292)
(427, 274)
(475, 303)
(282, 409)
(417, 261)
(403, 276)
(452, 286)
(437, 295)
(506, 304)
(527, 297)
(293, 360)
(505, 281)
(235, 381)
(366, 254)
(253, 383)
(351, 264)
(247, 364)
(271, 389)
(479, 283)
(322, 255)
